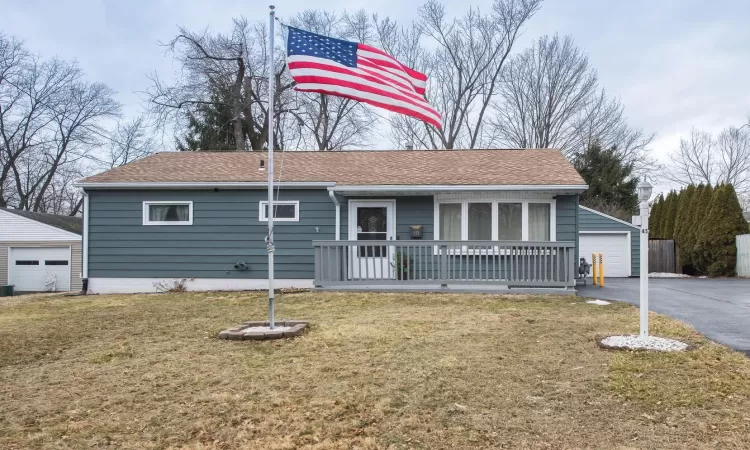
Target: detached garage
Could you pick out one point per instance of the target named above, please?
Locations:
(618, 241)
(40, 252)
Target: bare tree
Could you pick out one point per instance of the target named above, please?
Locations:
(543, 91)
(129, 141)
(50, 119)
(693, 162)
(464, 57)
(733, 163)
(228, 72)
(549, 98)
(28, 86)
(603, 122)
(701, 158)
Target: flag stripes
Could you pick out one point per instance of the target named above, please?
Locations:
(357, 71)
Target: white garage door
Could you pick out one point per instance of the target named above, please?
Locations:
(33, 269)
(614, 248)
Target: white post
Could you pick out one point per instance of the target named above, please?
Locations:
(644, 268)
(269, 240)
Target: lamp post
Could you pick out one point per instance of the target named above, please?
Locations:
(644, 194)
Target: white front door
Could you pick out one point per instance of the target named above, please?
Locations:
(40, 268)
(372, 220)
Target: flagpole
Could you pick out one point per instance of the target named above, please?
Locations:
(269, 239)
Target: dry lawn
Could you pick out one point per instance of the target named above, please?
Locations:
(394, 371)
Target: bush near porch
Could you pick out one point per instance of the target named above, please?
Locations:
(374, 371)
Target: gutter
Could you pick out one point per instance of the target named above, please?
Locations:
(338, 214)
(454, 188)
(203, 185)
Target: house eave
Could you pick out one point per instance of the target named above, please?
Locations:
(429, 189)
(202, 185)
(332, 186)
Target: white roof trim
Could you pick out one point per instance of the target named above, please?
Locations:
(74, 236)
(463, 187)
(201, 185)
(608, 217)
(332, 186)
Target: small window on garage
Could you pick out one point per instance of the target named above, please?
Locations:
(26, 262)
(286, 211)
(56, 262)
(167, 213)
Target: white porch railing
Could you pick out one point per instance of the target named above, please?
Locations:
(412, 263)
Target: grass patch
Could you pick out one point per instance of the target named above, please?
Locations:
(373, 371)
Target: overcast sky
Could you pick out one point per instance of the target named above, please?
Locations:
(673, 63)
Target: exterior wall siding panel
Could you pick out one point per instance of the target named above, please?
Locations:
(225, 230)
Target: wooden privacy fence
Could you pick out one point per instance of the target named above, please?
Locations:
(743, 255)
(663, 256)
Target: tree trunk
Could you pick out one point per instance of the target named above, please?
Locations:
(239, 134)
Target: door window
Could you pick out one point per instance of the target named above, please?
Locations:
(26, 262)
(372, 225)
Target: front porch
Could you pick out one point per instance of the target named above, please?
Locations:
(432, 265)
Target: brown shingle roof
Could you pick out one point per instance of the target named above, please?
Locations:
(407, 167)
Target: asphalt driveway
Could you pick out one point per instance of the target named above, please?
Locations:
(717, 308)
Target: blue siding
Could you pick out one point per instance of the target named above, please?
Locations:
(596, 222)
(567, 219)
(225, 230)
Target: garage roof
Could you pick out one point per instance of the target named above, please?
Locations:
(66, 223)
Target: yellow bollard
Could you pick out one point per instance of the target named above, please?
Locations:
(593, 268)
(601, 270)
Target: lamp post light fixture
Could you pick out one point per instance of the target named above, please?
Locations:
(644, 194)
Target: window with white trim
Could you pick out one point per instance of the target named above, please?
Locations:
(496, 220)
(168, 213)
(284, 211)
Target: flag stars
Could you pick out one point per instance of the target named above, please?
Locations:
(313, 45)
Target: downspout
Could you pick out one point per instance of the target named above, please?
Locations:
(338, 214)
(85, 246)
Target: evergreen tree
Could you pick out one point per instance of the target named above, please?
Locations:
(716, 239)
(670, 214)
(211, 128)
(696, 264)
(612, 185)
(654, 219)
(682, 220)
(688, 221)
(663, 215)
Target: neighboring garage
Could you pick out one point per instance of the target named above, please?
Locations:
(40, 252)
(618, 241)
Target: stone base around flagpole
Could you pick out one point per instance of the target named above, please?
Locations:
(261, 331)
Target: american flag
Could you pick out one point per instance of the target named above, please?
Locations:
(357, 71)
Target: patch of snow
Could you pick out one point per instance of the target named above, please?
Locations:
(598, 302)
(634, 342)
(265, 329)
(667, 275)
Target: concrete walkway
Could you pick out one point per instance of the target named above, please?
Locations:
(717, 308)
